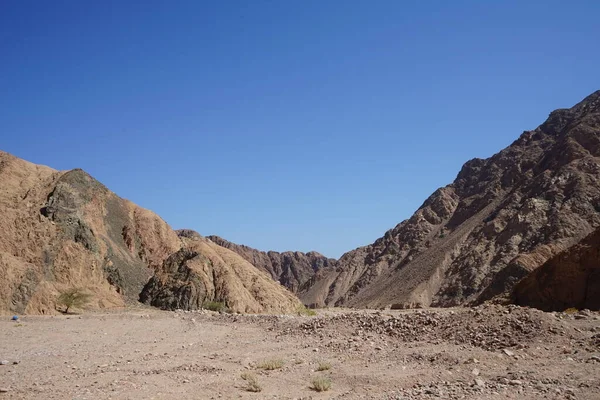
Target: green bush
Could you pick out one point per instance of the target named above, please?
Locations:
(303, 310)
(73, 298)
(214, 306)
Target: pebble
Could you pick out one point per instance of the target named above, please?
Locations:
(475, 372)
(4, 390)
(508, 352)
(515, 382)
(479, 382)
(4, 362)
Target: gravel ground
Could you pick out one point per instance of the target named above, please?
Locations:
(463, 353)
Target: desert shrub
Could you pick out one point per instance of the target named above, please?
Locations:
(321, 383)
(214, 306)
(324, 366)
(270, 365)
(73, 298)
(571, 310)
(252, 382)
(303, 310)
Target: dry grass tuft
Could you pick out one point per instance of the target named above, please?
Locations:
(324, 366)
(321, 383)
(252, 382)
(270, 365)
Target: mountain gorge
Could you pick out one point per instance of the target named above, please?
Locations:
(520, 226)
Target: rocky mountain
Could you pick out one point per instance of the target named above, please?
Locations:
(202, 270)
(473, 240)
(290, 268)
(570, 279)
(64, 229)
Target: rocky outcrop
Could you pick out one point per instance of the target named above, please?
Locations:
(474, 239)
(290, 268)
(569, 280)
(203, 272)
(65, 229)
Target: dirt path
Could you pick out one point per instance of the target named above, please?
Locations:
(488, 352)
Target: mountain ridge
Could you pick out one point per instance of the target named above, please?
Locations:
(439, 257)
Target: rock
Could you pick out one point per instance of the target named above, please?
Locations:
(475, 372)
(579, 265)
(202, 272)
(515, 382)
(4, 362)
(480, 382)
(508, 352)
(4, 390)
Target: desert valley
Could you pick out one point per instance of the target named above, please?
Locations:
(491, 289)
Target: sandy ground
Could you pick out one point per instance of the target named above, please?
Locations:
(150, 354)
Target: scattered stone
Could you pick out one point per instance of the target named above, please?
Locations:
(480, 382)
(508, 352)
(475, 372)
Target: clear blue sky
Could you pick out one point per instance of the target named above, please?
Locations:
(285, 125)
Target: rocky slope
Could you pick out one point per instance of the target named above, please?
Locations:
(569, 280)
(499, 220)
(204, 271)
(65, 229)
(290, 268)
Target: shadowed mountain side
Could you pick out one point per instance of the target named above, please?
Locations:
(571, 279)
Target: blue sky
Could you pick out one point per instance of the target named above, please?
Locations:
(312, 125)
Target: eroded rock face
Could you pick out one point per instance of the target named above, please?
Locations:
(474, 239)
(290, 268)
(570, 279)
(203, 271)
(65, 229)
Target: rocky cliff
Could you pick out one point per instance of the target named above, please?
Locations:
(571, 279)
(65, 229)
(500, 219)
(290, 268)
